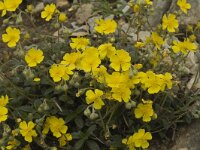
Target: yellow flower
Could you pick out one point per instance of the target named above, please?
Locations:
(68, 71)
(138, 66)
(144, 111)
(79, 43)
(105, 26)
(27, 130)
(121, 93)
(64, 139)
(139, 45)
(48, 12)
(95, 98)
(148, 2)
(120, 61)
(184, 46)
(59, 71)
(106, 50)
(62, 17)
(170, 23)
(71, 59)
(129, 142)
(157, 40)
(13, 144)
(36, 79)
(56, 125)
(3, 114)
(29, 8)
(34, 57)
(11, 37)
(100, 74)
(9, 5)
(167, 80)
(136, 8)
(141, 138)
(153, 82)
(4, 100)
(138, 139)
(3, 110)
(90, 59)
(184, 6)
(177, 47)
(117, 79)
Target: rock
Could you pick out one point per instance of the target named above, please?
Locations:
(62, 3)
(193, 66)
(39, 7)
(193, 14)
(160, 7)
(83, 13)
(189, 137)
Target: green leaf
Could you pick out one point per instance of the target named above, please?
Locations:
(79, 122)
(26, 109)
(74, 114)
(79, 144)
(92, 145)
(91, 130)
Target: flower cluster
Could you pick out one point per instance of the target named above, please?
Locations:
(50, 10)
(155, 82)
(93, 74)
(58, 128)
(184, 46)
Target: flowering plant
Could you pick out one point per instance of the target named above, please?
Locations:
(95, 91)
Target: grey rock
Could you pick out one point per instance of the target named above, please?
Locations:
(160, 7)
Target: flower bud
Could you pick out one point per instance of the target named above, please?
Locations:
(112, 39)
(5, 21)
(76, 84)
(65, 87)
(29, 8)
(128, 105)
(28, 73)
(87, 112)
(56, 25)
(53, 148)
(133, 103)
(62, 17)
(46, 106)
(137, 92)
(58, 87)
(18, 120)
(196, 116)
(27, 35)
(94, 116)
(155, 116)
(30, 116)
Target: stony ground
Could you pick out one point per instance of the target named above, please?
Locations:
(188, 137)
